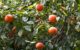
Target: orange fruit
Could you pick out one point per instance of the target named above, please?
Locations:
(39, 7)
(8, 18)
(52, 30)
(39, 45)
(14, 29)
(52, 18)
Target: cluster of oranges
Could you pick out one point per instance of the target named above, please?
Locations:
(51, 31)
(10, 18)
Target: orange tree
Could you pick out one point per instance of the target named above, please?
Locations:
(39, 24)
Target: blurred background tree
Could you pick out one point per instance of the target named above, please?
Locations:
(31, 26)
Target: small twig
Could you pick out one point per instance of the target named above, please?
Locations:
(68, 27)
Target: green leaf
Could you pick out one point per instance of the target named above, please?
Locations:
(28, 28)
(30, 22)
(20, 33)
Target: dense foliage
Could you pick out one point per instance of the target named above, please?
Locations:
(27, 25)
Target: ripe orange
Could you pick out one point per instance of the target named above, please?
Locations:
(52, 30)
(52, 18)
(8, 18)
(39, 45)
(39, 7)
